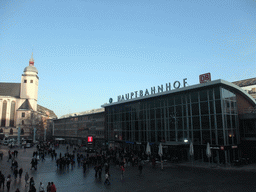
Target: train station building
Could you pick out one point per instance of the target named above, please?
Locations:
(217, 112)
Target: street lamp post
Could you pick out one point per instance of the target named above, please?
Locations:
(34, 138)
(18, 140)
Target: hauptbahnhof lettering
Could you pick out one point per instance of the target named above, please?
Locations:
(160, 89)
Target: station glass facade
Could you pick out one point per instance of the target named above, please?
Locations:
(208, 114)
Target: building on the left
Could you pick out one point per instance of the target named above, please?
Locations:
(19, 108)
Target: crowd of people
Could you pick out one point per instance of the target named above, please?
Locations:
(73, 156)
(17, 172)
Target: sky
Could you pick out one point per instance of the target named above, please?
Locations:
(87, 51)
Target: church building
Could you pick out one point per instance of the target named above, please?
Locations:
(18, 106)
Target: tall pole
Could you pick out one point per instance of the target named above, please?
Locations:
(34, 139)
(18, 136)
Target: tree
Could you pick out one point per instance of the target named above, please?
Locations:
(35, 120)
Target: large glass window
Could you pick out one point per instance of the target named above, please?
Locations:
(196, 123)
(172, 135)
(195, 109)
(178, 100)
(204, 108)
(205, 122)
(210, 94)
(219, 121)
(197, 137)
(203, 95)
(194, 97)
(217, 92)
(179, 110)
(147, 120)
(218, 106)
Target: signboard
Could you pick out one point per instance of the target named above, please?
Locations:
(234, 147)
(90, 139)
(205, 77)
(152, 91)
(214, 147)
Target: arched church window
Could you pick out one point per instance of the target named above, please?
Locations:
(1, 130)
(4, 113)
(22, 131)
(12, 114)
(11, 131)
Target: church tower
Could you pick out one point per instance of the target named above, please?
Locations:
(29, 84)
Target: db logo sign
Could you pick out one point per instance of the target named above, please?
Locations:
(205, 77)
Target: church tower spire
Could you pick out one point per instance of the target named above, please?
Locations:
(31, 61)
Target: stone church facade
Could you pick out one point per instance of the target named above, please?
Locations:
(19, 108)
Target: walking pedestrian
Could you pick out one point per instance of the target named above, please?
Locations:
(2, 179)
(15, 172)
(49, 187)
(140, 168)
(17, 190)
(122, 172)
(84, 166)
(1, 155)
(107, 179)
(96, 170)
(26, 179)
(32, 188)
(100, 171)
(20, 172)
(31, 182)
(10, 157)
(8, 183)
(53, 187)
(41, 187)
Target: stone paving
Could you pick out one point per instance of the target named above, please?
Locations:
(175, 177)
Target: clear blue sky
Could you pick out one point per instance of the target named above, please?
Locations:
(87, 51)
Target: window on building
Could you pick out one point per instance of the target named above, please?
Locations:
(4, 108)
(25, 81)
(11, 131)
(22, 132)
(31, 81)
(23, 114)
(1, 130)
(12, 114)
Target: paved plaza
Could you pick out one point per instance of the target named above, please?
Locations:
(174, 177)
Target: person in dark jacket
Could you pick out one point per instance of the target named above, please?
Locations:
(8, 183)
(20, 172)
(2, 179)
(15, 172)
(100, 171)
(31, 182)
(32, 189)
(140, 168)
(49, 187)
